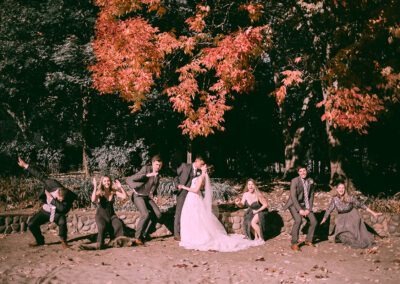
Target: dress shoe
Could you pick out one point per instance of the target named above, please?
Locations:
(34, 245)
(176, 238)
(64, 244)
(310, 244)
(138, 242)
(295, 247)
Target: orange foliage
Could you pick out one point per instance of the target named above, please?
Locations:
(230, 60)
(130, 56)
(197, 23)
(351, 109)
(255, 11)
(292, 78)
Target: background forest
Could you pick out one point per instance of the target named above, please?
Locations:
(256, 87)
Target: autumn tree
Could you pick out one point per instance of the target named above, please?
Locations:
(212, 54)
(343, 53)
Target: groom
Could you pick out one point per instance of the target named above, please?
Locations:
(186, 172)
(300, 204)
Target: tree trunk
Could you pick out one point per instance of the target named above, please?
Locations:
(293, 143)
(85, 157)
(189, 152)
(336, 156)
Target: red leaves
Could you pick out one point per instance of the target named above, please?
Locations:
(197, 23)
(255, 11)
(131, 53)
(351, 109)
(230, 60)
(292, 78)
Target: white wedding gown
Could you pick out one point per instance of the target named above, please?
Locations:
(201, 229)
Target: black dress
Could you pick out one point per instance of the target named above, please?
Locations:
(248, 217)
(107, 220)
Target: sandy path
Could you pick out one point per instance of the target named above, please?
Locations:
(163, 261)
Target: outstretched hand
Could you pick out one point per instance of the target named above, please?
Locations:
(22, 163)
(117, 183)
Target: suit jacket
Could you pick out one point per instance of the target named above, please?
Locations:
(142, 184)
(296, 197)
(62, 207)
(184, 176)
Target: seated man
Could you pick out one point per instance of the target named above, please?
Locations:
(56, 202)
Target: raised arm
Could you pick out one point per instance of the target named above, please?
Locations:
(121, 193)
(94, 197)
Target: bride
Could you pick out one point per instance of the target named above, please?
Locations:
(200, 228)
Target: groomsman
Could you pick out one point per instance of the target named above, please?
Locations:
(56, 203)
(186, 172)
(144, 184)
(300, 204)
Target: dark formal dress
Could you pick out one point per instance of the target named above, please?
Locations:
(248, 217)
(349, 227)
(107, 220)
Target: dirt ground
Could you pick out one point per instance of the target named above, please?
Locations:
(163, 261)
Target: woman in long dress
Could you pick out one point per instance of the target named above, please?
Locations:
(200, 228)
(254, 222)
(350, 228)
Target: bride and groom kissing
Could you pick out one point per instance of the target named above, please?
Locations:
(195, 225)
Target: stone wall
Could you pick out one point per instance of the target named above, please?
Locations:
(82, 222)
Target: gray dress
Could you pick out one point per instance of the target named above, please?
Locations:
(350, 228)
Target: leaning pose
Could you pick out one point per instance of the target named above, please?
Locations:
(56, 202)
(350, 228)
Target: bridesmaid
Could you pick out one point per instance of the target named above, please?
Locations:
(254, 222)
(104, 195)
(350, 228)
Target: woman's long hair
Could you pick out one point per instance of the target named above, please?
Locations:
(260, 196)
(346, 197)
(101, 190)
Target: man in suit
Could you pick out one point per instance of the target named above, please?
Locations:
(144, 184)
(56, 203)
(300, 204)
(185, 173)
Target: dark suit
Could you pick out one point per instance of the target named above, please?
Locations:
(62, 207)
(185, 174)
(296, 203)
(145, 188)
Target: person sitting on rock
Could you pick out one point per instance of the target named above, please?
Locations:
(56, 203)
(350, 228)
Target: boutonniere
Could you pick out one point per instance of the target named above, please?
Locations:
(310, 181)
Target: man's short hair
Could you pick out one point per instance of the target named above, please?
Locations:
(302, 166)
(199, 157)
(156, 158)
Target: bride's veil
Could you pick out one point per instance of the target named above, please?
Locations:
(208, 197)
(208, 194)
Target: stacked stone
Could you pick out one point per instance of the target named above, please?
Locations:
(83, 222)
(11, 224)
